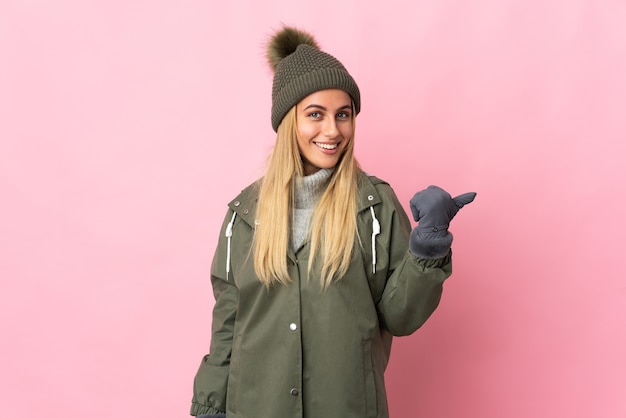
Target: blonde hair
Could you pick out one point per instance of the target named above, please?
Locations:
(333, 224)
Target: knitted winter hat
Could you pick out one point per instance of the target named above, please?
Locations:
(301, 68)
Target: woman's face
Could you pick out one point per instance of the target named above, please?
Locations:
(324, 127)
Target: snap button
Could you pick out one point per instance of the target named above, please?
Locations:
(370, 197)
(246, 211)
(293, 326)
(236, 203)
(294, 392)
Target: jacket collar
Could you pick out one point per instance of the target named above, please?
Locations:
(245, 204)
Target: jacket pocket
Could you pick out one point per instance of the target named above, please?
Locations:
(369, 382)
(234, 378)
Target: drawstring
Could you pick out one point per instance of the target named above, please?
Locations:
(375, 231)
(229, 233)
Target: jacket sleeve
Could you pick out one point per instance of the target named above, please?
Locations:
(414, 285)
(211, 381)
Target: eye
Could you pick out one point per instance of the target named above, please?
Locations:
(315, 115)
(343, 115)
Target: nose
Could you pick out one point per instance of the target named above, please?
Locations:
(330, 129)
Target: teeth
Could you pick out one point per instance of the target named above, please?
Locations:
(326, 146)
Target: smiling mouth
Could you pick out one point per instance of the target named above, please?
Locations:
(326, 146)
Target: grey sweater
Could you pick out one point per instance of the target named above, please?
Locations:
(308, 191)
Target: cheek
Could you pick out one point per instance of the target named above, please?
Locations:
(305, 132)
(346, 131)
(300, 142)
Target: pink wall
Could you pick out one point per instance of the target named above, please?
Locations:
(126, 126)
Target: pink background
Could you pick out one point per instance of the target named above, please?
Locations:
(126, 126)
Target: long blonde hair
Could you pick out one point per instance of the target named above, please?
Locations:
(333, 224)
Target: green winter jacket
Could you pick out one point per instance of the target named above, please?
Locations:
(299, 351)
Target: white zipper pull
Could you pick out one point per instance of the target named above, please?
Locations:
(375, 231)
(229, 233)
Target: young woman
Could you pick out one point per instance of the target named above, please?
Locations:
(317, 266)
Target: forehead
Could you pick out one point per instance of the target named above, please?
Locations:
(329, 98)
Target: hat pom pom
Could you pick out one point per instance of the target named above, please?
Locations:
(284, 42)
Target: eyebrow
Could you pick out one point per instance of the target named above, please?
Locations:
(316, 106)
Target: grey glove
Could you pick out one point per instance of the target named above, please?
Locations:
(434, 208)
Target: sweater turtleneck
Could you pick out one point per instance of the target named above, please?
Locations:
(307, 193)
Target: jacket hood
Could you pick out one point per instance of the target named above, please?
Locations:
(245, 204)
